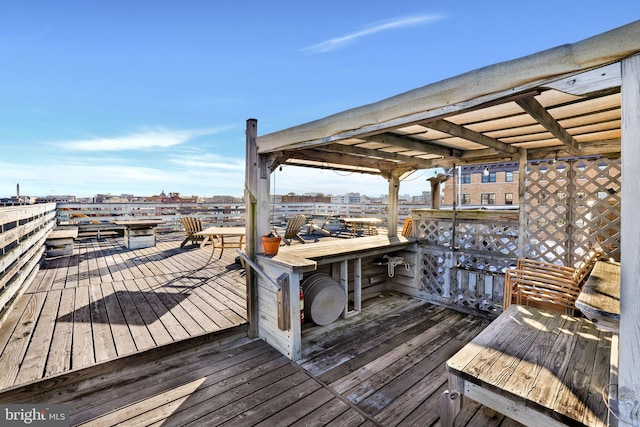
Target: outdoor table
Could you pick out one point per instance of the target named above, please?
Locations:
(213, 233)
(535, 366)
(369, 223)
(139, 233)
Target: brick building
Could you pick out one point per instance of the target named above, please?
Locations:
(481, 186)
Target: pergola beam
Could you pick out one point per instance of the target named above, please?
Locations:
(413, 144)
(326, 157)
(542, 116)
(369, 152)
(468, 134)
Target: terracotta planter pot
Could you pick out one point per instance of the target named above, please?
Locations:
(271, 244)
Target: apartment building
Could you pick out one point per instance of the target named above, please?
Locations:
(484, 186)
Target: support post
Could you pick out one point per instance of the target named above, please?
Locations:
(436, 183)
(256, 217)
(344, 282)
(392, 203)
(629, 374)
(522, 203)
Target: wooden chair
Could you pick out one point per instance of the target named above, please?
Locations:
(407, 228)
(191, 225)
(549, 286)
(294, 225)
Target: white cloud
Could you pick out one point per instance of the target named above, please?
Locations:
(209, 161)
(340, 42)
(151, 138)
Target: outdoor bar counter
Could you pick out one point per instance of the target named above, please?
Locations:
(341, 260)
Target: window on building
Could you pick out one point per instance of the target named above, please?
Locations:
(508, 176)
(508, 198)
(488, 198)
(491, 177)
(465, 179)
(465, 199)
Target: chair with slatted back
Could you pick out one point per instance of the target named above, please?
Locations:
(407, 228)
(294, 225)
(191, 226)
(545, 285)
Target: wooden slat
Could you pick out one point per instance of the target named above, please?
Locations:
(83, 354)
(122, 337)
(141, 335)
(156, 328)
(59, 358)
(32, 366)
(14, 351)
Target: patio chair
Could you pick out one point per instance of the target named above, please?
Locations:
(549, 286)
(407, 228)
(292, 231)
(191, 226)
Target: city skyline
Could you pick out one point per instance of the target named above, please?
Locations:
(134, 97)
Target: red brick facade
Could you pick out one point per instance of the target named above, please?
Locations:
(472, 191)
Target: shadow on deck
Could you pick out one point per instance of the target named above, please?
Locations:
(107, 301)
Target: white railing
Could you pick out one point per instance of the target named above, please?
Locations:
(213, 214)
(23, 231)
(94, 214)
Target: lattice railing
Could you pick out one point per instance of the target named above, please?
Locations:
(469, 273)
(571, 206)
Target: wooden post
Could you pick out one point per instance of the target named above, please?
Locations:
(522, 203)
(257, 215)
(392, 203)
(629, 374)
(344, 282)
(284, 305)
(436, 183)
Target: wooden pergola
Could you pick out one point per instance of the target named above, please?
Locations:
(575, 100)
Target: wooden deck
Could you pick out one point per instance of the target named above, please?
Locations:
(107, 301)
(171, 362)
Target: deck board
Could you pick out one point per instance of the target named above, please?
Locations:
(246, 382)
(170, 334)
(106, 301)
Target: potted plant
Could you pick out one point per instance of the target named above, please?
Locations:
(271, 243)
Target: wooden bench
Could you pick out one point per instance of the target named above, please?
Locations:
(538, 367)
(99, 230)
(60, 242)
(599, 300)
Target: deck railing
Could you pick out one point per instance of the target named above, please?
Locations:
(465, 255)
(23, 231)
(94, 214)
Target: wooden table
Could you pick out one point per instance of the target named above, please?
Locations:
(368, 223)
(306, 258)
(599, 299)
(213, 233)
(139, 233)
(537, 367)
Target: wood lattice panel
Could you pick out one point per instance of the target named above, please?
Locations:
(571, 207)
(433, 272)
(596, 216)
(434, 231)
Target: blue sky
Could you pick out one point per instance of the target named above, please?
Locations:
(143, 96)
